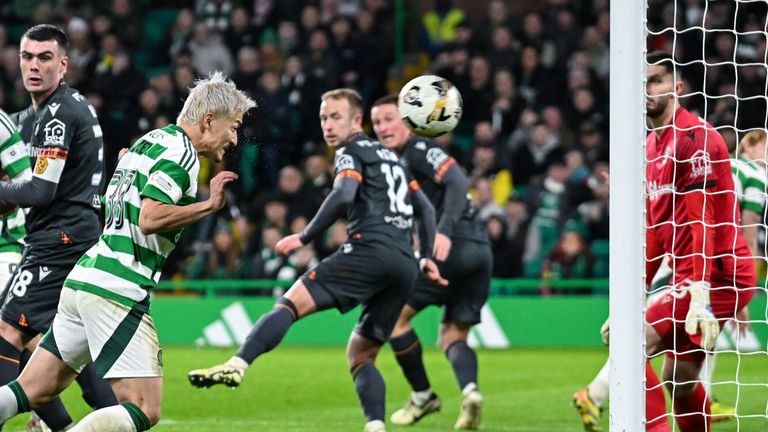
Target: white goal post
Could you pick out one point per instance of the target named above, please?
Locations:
(627, 210)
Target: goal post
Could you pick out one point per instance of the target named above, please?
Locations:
(627, 210)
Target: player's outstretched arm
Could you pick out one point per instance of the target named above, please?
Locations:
(30, 193)
(337, 202)
(157, 216)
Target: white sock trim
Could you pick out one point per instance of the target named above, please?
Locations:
(8, 405)
(599, 387)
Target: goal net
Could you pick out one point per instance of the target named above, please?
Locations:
(719, 54)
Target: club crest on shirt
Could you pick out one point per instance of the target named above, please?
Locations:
(701, 165)
(41, 165)
(54, 133)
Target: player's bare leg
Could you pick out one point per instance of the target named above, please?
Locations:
(139, 409)
(453, 341)
(42, 380)
(407, 348)
(13, 342)
(361, 359)
(265, 335)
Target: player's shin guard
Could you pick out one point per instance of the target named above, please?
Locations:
(408, 353)
(96, 391)
(655, 404)
(371, 390)
(464, 362)
(268, 331)
(119, 418)
(13, 401)
(53, 413)
(696, 406)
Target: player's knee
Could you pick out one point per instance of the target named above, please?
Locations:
(452, 333)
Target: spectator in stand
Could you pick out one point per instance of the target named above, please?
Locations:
(82, 55)
(487, 163)
(149, 111)
(534, 157)
(533, 35)
(248, 71)
(478, 95)
(583, 109)
(591, 144)
(505, 263)
(183, 79)
(317, 175)
(276, 124)
(180, 34)
(553, 118)
(570, 259)
(163, 84)
(372, 68)
(291, 190)
(288, 36)
(320, 62)
(550, 207)
(266, 262)
(536, 85)
(517, 220)
(440, 25)
(127, 24)
(310, 21)
(240, 33)
(482, 193)
(208, 51)
(219, 259)
(504, 52)
(345, 51)
(507, 106)
(497, 16)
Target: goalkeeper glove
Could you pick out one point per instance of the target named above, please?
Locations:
(700, 315)
(605, 330)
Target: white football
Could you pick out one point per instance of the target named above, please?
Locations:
(430, 105)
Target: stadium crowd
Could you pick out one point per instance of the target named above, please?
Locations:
(533, 138)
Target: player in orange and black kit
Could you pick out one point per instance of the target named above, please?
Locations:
(375, 268)
(65, 142)
(464, 258)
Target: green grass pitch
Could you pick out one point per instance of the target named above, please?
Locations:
(309, 389)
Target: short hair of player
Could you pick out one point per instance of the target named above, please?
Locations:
(215, 94)
(753, 137)
(386, 100)
(666, 59)
(47, 32)
(352, 96)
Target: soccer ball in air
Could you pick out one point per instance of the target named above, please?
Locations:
(430, 105)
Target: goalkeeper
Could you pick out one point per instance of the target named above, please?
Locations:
(692, 215)
(748, 170)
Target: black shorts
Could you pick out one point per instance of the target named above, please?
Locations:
(468, 270)
(32, 296)
(370, 273)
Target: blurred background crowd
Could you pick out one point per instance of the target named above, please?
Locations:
(533, 76)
